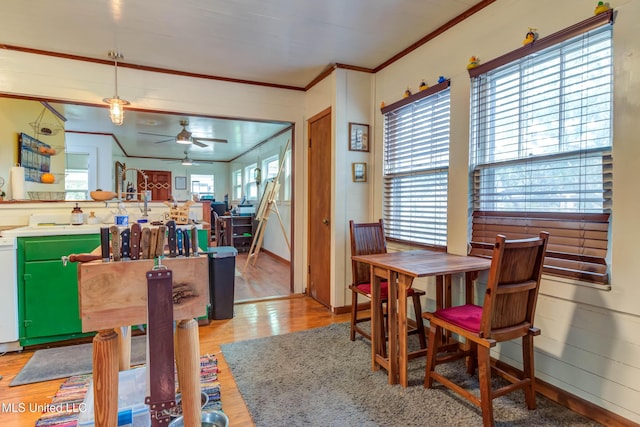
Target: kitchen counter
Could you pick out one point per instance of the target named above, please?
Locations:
(66, 229)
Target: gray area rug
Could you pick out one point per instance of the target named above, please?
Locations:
(321, 378)
(62, 362)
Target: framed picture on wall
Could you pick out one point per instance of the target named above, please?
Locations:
(181, 182)
(359, 172)
(358, 137)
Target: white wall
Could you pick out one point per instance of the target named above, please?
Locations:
(589, 344)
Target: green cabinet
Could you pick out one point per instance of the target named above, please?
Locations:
(47, 290)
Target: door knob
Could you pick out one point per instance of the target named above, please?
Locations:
(325, 221)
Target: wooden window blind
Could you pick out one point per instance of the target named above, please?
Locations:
(416, 168)
(541, 150)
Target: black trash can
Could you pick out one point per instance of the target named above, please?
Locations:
(222, 273)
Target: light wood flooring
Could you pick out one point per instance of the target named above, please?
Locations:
(251, 320)
(268, 278)
(263, 307)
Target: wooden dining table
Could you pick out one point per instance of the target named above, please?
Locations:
(400, 269)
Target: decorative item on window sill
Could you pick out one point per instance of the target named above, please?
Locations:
(442, 79)
(601, 7)
(407, 93)
(257, 176)
(530, 37)
(423, 86)
(473, 62)
(116, 105)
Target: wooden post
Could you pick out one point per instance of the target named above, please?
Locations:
(187, 353)
(124, 345)
(105, 378)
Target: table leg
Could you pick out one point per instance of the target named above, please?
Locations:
(404, 284)
(392, 314)
(377, 341)
(188, 363)
(124, 345)
(105, 378)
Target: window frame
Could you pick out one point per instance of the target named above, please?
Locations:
(406, 219)
(578, 244)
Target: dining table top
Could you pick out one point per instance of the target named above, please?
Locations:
(421, 262)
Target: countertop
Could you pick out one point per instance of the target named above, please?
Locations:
(67, 229)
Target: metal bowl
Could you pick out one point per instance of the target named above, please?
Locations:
(209, 419)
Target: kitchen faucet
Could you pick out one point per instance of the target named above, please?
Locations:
(145, 199)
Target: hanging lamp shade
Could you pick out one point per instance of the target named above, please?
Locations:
(116, 104)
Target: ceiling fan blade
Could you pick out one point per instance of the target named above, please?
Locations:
(198, 143)
(165, 140)
(155, 134)
(224, 141)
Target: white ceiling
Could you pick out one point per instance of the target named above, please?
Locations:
(283, 42)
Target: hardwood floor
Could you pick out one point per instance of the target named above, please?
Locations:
(251, 320)
(263, 307)
(268, 278)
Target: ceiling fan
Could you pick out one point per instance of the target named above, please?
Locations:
(186, 137)
(186, 161)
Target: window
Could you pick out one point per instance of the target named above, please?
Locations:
(287, 175)
(541, 144)
(270, 167)
(251, 187)
(202, 185)
(76, 180)
(237, 184)
(416, 167)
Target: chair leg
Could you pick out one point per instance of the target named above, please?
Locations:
(417, 308)
(472, 358)
(435, 334)
(484, 379)
(354, 314)
(529, 371)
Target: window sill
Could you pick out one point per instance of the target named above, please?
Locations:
(556, 279)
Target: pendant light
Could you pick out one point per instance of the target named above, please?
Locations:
(116, 105)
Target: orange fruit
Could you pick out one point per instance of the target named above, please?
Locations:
(47, 178)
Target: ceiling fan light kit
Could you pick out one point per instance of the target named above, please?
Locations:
(116, 104)
(184, 137)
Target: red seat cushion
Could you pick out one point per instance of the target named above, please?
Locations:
(384, 289)
(466, 316)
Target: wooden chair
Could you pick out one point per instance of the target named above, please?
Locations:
(507, 313)
(366, 239)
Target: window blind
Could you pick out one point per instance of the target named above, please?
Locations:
(541, 151)
(416, 169)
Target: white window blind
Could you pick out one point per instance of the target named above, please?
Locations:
(416, 169)
(541, 140)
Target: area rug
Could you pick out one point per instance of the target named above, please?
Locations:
(319, 377)
(63, 362)
(65, 405)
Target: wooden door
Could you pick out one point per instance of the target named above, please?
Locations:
(159, 183)
(319, 218)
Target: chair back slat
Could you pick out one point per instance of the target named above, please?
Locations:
(366, 239)
(512, 288)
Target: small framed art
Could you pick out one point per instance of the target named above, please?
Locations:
(181, 182)
(359, 172)
(358, 137)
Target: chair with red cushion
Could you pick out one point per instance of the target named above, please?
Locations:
(367, 239)
(506, 314)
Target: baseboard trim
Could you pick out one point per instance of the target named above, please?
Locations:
(573, 402)
(276, 257)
